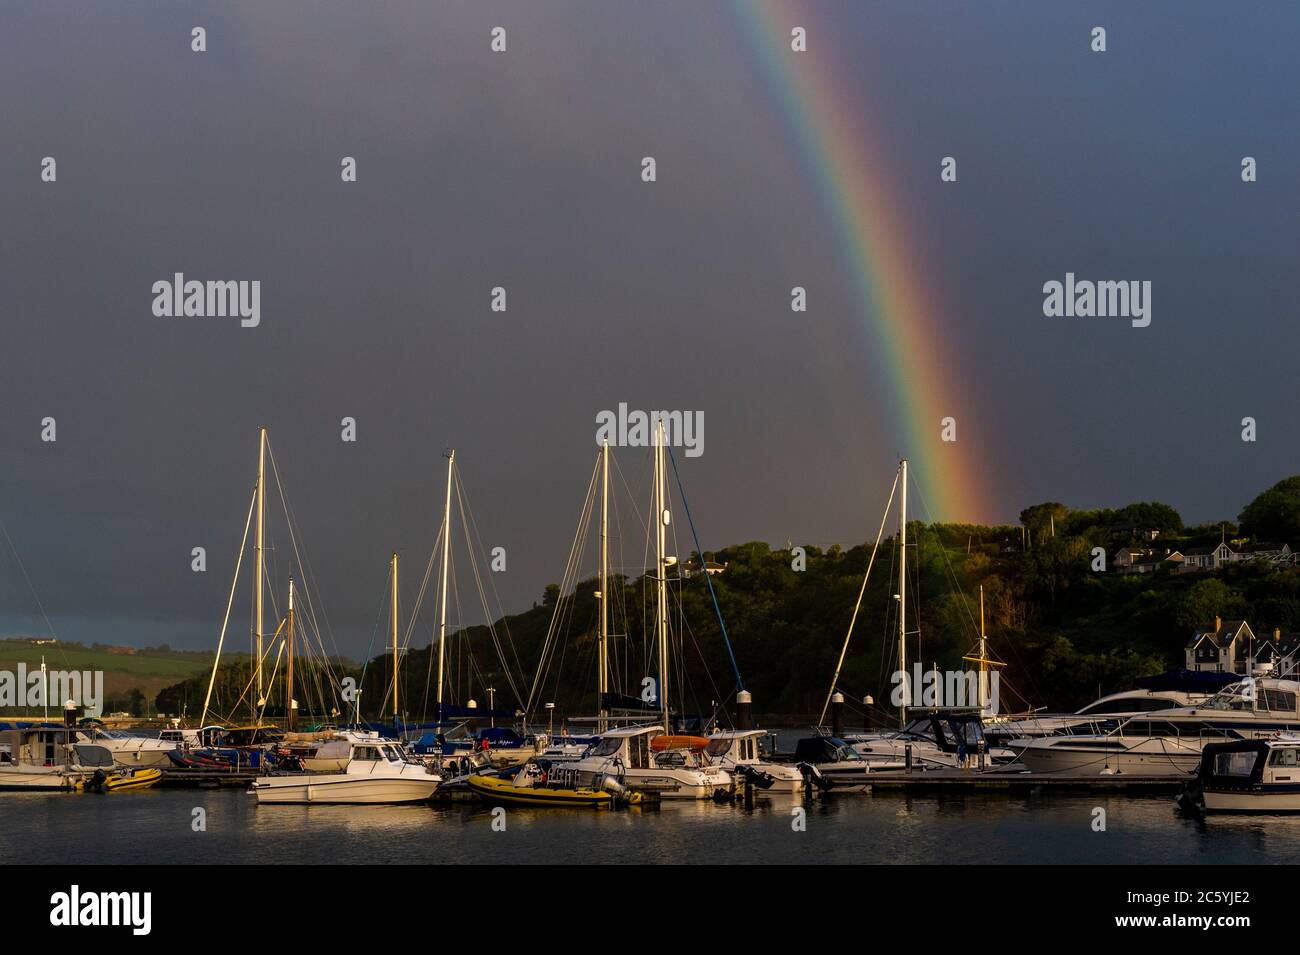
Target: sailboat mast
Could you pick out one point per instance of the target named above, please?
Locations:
(984, 666)
(396, 711)
(661, 616)
(259, 569)
(442, 598)
(290, 711)
(902, 590)
(602, 678)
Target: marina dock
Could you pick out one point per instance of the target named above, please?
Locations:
(208, 778)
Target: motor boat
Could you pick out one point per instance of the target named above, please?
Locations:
(377, 772)
(1171, 742)
(48, 758)
(939, 738)
(1249, 775)
(645, 759)
(128, 749)
(830, 761)
(740, 753)
(1164, 691)
(535, 785)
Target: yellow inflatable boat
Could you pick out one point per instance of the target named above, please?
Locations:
(123, 782)
(503, 791)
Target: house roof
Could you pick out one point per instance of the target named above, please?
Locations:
(1227, 632)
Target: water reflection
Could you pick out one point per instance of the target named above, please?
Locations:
(156, 826)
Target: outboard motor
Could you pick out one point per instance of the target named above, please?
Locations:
(756, 777)
(611, 784)
(812, 776)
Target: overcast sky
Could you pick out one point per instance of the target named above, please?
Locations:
(522, 170)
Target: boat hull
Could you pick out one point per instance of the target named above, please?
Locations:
(345, 790)
(30, 782)
(1070, 760)
(504, 792)
(1284, 800)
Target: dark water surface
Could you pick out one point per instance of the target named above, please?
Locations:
(155, 827)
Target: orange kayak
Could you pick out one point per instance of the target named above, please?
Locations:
(661, 743)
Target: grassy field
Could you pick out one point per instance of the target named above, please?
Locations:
(148, 670)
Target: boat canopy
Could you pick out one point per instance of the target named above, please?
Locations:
(92, 756)
(1235, 765)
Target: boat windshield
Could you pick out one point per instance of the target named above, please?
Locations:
(1284, 756)
(922, 729)
(1235, 764)
(719, 747)
(607, 746)
(1249, 696)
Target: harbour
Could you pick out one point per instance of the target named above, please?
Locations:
(357, 517)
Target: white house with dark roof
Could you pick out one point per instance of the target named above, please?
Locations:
(1224, 648)
(1206, 558)
(1212, 558)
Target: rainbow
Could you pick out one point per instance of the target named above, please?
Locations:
(903, 321)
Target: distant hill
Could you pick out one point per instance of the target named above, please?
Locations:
(1068, 633)
(126, 669)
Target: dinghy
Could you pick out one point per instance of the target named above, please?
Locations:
(533, 786)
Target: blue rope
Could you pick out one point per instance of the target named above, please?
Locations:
(740, 684)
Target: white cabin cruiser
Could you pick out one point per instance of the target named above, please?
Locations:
(39, 759)
(836, 763)
(376, 773)
(629, 756)
(128, 749)
(941, 738)
(1256, 775)
(1171, 741)
(739, 751)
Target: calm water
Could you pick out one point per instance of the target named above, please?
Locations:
(847, 828)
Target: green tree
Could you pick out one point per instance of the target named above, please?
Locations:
(1275, 514)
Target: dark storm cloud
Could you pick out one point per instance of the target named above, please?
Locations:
(522, 170)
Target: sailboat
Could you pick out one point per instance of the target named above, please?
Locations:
(649, 758)
(935, 737)
(250, 744)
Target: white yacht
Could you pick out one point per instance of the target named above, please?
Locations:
(376, 773)
(128, 749)
(942, 738)
(630, 756)
(36, 759)
(1171, 741)
(1097, 717)
(733, 749)
(834, 762)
